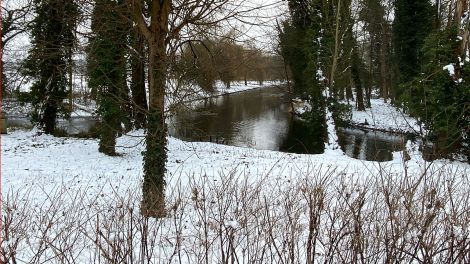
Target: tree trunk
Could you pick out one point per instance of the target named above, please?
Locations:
(110, 121)
(383, 66)
(459, 11)
(125, 102)
(334, 63)
(49, 116)
(449, 14)
(357, 80)
(153, 204)
(155, 156)
(139, 95)
(371, 79)
(341, 93)
(70, 72)
(349, 93)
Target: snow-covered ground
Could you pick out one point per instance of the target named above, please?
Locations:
(66, 186)
(384, 116)
(381, 115)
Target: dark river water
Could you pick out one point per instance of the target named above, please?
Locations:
(260, 119)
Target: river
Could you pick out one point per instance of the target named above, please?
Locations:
(260, 119)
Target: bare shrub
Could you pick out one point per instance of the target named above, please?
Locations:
(324, 216)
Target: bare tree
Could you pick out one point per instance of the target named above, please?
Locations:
(15, 21)
(165, 22)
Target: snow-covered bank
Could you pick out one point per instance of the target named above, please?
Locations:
(236, 87)
(67, 200)
(385, 116)
(381, 116)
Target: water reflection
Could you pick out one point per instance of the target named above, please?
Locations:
(72, 126)
(256, 118)
(369, 145)
(260, 119)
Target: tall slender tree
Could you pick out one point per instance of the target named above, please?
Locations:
(53, 39)
(139, 94)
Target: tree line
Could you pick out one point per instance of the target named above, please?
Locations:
(413, 54)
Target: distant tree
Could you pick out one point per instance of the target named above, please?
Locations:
(53, 38)
(107, 68)
(225, 56)
(196, 64)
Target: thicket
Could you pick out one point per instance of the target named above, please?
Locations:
(401, 59)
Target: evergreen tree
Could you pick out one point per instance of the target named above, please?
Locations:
(106, 68)
(413, 22)
(53, 39)
(303, 44)
(443, 90)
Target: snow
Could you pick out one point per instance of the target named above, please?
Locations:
(29, 159)
(41, 169)
(236, 87)
(300, 106)
(384, 116)
(450, 68)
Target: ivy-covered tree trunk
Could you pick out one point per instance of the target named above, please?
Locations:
(109, 111)
(139, 95)
(155, 155)
(355, 74)
(107, 70)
